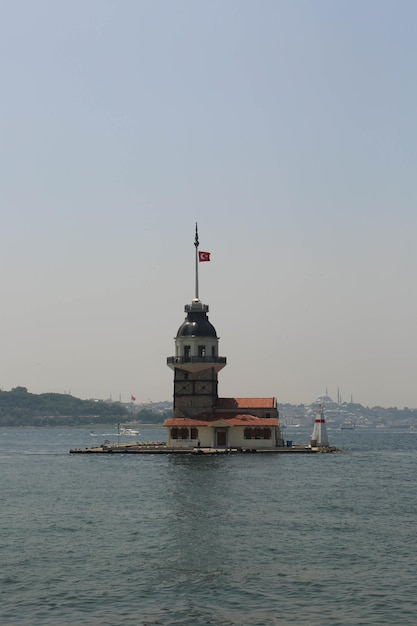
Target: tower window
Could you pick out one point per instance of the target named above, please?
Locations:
(187, 351)
(213, 350)
(201, 350)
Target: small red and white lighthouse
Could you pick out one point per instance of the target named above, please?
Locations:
(319, 437)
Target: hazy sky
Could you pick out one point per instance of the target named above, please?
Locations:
(286, 128)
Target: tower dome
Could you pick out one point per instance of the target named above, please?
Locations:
(196, 324)
(196, 342)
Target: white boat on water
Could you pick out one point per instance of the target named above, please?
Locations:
(130, 432)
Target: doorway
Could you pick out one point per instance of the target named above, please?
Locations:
(221, 438)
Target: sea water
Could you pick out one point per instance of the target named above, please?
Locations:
(255, 539)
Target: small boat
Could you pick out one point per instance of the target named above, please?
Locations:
(130, 432)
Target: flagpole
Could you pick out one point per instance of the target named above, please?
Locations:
(196, 242)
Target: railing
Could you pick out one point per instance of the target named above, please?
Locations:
(172, 360)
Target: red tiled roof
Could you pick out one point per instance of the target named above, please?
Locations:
(185, 421)
(250, 420)
(245, 403)
(235, 420)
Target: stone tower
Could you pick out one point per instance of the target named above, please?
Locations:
(196, 362)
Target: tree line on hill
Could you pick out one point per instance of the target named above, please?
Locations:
(18, 407)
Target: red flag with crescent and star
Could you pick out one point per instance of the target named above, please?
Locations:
(203, 256)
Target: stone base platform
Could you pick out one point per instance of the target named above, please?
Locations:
(162, 448)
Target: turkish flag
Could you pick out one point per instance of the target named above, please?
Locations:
(204, 256)
(132, 398)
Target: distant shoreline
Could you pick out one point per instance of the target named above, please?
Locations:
(86, 426)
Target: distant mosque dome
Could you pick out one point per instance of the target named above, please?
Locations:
(196, 324)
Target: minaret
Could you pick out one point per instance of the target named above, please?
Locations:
(196, 361)
(319, 437)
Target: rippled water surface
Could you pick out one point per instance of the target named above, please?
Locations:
(243, 539)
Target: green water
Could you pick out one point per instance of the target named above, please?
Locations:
(252, 539)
